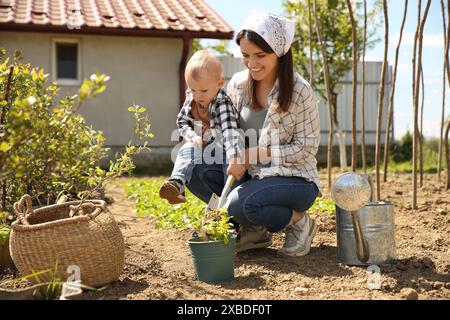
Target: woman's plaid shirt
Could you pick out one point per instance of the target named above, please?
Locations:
(293, 136)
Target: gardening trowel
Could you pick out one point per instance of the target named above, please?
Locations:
(216, 202)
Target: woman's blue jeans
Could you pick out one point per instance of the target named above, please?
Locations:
(268, 202)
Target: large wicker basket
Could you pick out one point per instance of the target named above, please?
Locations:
(61, 235)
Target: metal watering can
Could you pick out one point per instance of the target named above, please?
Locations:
(364, 228)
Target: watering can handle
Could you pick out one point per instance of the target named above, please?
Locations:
(362, 249)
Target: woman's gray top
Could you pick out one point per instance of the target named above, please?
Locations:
(251, 122)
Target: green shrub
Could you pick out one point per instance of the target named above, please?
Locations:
(46, 148)
(402, 150)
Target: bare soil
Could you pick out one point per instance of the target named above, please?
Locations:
(159, 265)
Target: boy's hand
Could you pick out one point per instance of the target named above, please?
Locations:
(197, 141)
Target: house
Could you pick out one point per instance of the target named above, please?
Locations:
(143, 45)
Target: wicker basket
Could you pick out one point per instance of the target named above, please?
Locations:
(58, 236)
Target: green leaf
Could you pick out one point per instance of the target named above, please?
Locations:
(4, 146)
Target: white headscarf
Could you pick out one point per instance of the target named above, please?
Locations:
(277, 31)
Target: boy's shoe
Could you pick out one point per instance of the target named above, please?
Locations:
(253, 237)
(299, 237)
(173, 191)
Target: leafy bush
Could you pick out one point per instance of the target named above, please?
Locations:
(46, 148)
(402, 150)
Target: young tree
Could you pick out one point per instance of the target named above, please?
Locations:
(447, 154)
(354, 81)
(418, 67)
(420, 137)
(380, 99)
(326, 77)
(390, 110)
(363, 91)
(310, 33)
(444, 30)
(332, 18)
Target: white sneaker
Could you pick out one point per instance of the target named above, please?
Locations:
(299, 237)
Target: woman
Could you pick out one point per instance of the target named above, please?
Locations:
(284, 182)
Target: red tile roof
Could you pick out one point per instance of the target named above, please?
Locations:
(133, 17)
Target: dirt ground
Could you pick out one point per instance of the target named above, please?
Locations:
(159, 266)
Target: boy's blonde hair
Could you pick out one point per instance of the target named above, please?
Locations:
(201, 62)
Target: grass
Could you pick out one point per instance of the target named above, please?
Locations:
(185, 215)
(164, 215)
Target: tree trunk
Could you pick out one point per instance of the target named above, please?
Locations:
(447, 155)
(380, 100)
(441, 133)
(390, 111)
(420, 137)
(311, 68)
(363, 93)
(354, 83)
(329, 94)
(340, 135)
(416, 99)
(414, 80)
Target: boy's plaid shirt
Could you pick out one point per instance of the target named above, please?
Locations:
(293, 136)
(223, 124)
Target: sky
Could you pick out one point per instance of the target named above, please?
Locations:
(235, 11)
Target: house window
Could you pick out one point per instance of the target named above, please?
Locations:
(66, 62)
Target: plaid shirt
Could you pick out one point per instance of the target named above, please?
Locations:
(292, 136)
(223, 123)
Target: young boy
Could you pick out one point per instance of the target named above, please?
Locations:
(208, 107)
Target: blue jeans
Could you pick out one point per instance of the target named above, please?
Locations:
(188, 157)
(268, 202)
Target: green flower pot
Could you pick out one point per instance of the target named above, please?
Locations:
(213, 260)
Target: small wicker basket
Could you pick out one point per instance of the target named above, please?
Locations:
(61, 235)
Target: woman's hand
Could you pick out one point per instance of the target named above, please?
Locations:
(253, 156)
(236, 170)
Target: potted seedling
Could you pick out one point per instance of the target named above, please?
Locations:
(213, 247)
